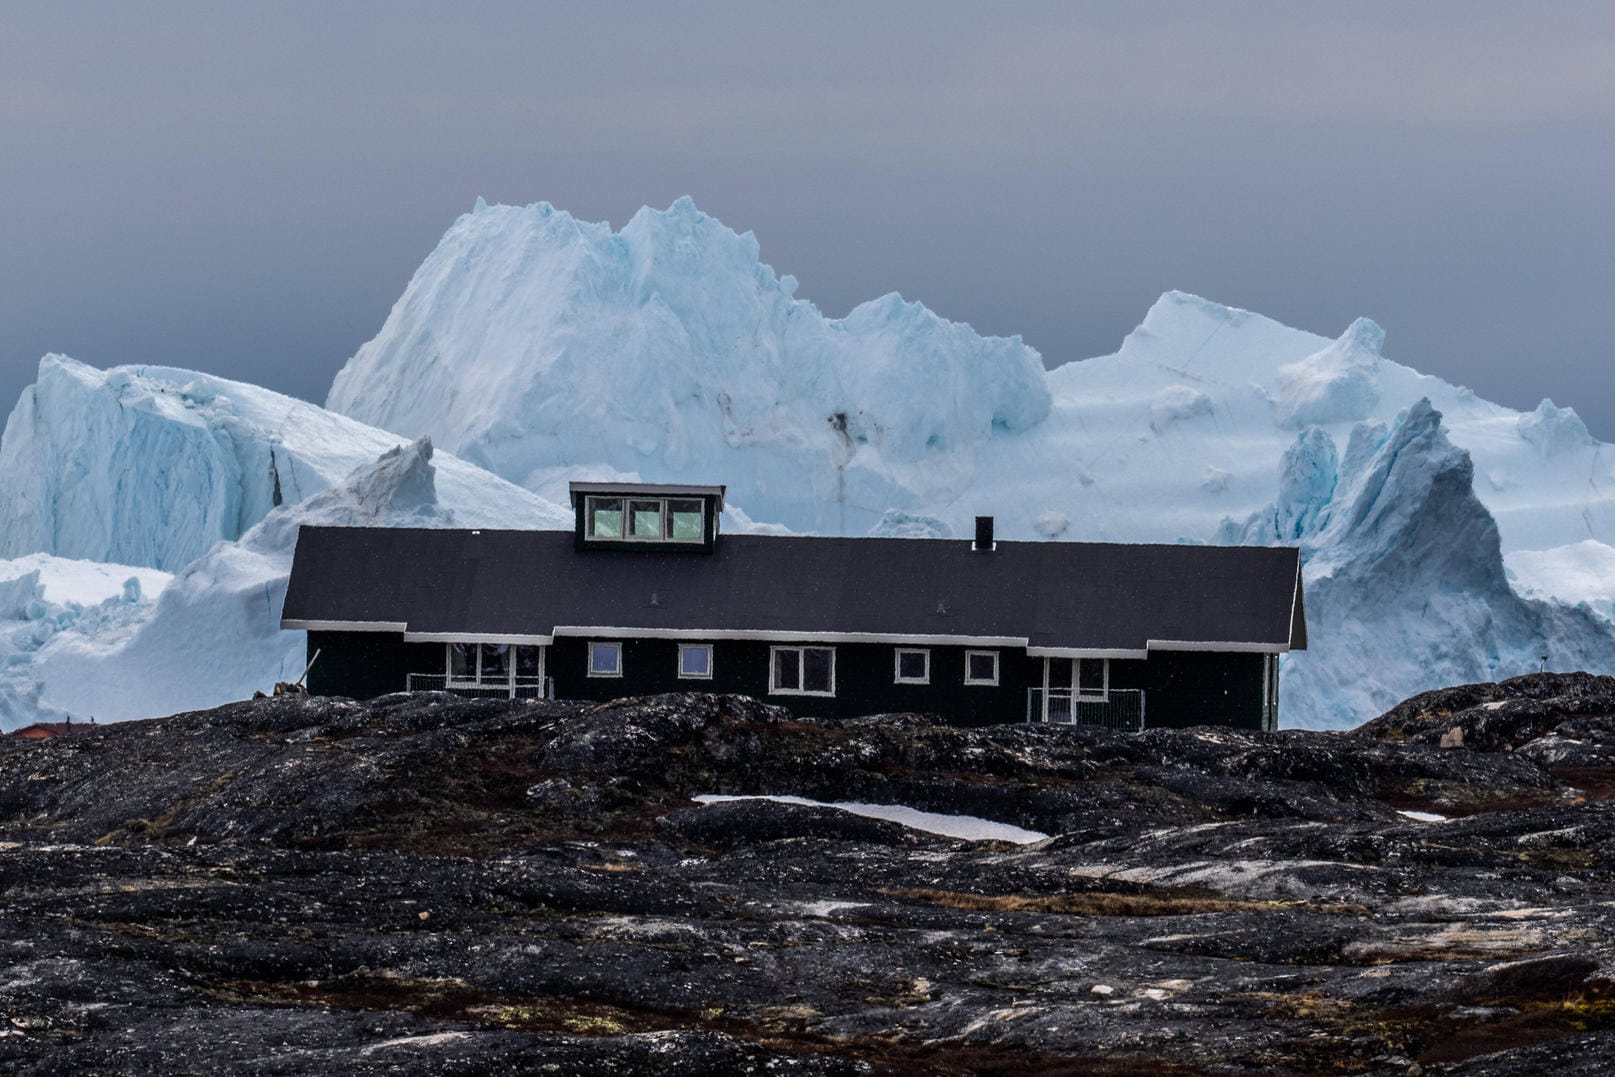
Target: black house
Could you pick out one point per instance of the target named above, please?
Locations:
(645, 596)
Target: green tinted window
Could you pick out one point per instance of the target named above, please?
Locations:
(605, 517)
(647, 519)
(685, 521)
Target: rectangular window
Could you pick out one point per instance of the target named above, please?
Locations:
(1093, 679)
(492, 664)
(495, 662)
(645, 520)
(463, 662)
(695, 661)
(981, 667)
(913, 666)
(803, 671)
(605, 659)
(605, 517)
(685, 521)
(787, 676)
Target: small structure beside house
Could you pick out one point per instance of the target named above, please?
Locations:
(644, 595)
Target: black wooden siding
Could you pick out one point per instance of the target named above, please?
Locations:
(1181, 688)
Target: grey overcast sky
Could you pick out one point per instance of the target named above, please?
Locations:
(245, 189)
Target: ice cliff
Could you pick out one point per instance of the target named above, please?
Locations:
(531, 342)
(213, 634)
(543, 348)
(43, 598)
(1404, 574)
(151, 465)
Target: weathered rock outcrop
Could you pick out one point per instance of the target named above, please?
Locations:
(429, 883)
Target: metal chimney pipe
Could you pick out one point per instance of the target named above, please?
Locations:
(984, 533)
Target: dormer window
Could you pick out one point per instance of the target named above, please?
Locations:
(644, 519)
(605, 517)
(648, 514)
(685, 521)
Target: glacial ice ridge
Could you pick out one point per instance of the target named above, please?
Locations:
(151, 466)
(529, 339)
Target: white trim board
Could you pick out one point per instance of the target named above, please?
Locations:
(346, 626)
(476, 637)
(782, 636)
(1082, 652)
(1224, 647)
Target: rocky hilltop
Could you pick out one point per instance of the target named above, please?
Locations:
(425, 883)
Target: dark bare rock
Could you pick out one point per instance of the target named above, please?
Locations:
(430, 884)
(1504, 716)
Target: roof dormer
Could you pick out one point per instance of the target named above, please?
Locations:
(646, 516)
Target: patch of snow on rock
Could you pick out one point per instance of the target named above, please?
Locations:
(963, 827)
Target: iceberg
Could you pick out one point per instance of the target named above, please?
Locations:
(1404, 575)
(152, 466)
(543, 347)
(1578, 572)
(43, 598)
(538, 345)
(529, 340)
(213, 634)
(1447, 538)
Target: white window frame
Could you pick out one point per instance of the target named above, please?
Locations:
(476, 680)
(628, 501)
(897, 665)
(449, 678)
(588, 519)
(628, 519)
(667, 520)
(801, 650)
(1080, 691)
(617, 643)
(707, 676)
(978, 681)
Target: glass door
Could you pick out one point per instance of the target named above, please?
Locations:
(1058, 681)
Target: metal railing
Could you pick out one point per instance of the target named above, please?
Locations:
(520, 688)
(1120, 708)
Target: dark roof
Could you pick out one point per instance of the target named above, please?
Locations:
(643, 489)
(1063, 595)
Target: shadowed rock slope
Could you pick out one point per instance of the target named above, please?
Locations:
(425, 883)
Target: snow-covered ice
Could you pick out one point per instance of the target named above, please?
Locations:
(43, 598)
(1406, 587)
(963, 827)
(213, 635)
(1578, 572)
(535, 344)
(529, 339)
(548, 349)
(151, 466)
(1208, 424)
